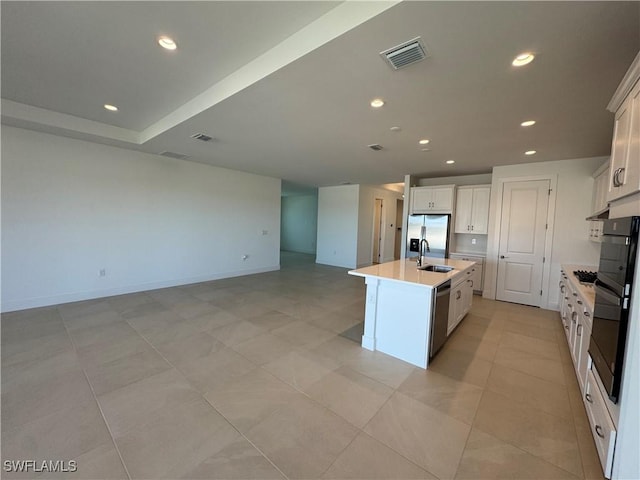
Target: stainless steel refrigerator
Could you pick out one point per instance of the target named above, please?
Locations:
(436, 233)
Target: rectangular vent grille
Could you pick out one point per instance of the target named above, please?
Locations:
(375, 146)
(178, 156)
(405, 54)
(201, 136)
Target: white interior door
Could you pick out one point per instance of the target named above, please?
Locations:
(522, 241)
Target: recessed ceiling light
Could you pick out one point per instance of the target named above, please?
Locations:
(167, 43)
(523, 59)
(528, 123)
(424, 141)
(530, 152)
(450, 161)
(395, 129)
(111, 108)
(377, 102)
(425, 149)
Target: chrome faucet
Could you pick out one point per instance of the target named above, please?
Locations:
(422, 242)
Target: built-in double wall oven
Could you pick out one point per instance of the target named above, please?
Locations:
(613, 297)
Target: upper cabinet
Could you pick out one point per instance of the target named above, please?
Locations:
(624, 175)
(600, 189)
(432, 199)
(472, 209)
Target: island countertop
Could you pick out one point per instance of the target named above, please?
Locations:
(405, 271)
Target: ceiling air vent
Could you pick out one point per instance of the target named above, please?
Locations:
(375, 146)
(201, 136)
(405, 54)
(179, 156)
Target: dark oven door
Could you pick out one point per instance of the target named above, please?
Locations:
(603, 347)
(614, 261)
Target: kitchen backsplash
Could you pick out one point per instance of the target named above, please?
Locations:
(463, 243)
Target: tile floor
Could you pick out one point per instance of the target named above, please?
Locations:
(249, 378)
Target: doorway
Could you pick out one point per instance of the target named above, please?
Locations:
(377, 231)
(398, 232)
(522, 244)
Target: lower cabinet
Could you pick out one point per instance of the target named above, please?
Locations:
(602, 428)
(577, 323)
(461, 298)
(477, 275)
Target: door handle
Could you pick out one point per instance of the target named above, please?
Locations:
(502, 256)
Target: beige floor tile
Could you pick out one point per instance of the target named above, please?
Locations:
(522, 388)
(102, 334)
(138, 403)
(194, 308)
(237, 332)
(248, 309)
(125, 370)
(177, 438)
(457, 399)
(238, 460)
(181, 351)
(30, 324)
(62, 434)
(94, 320)
(420, 433)
(546, 436)
(301, 368)
(143, 310)
(351, 395)
(40, 370)
(366, 458)
(272, 320)
(477, 347)
(302, 310)
(541, 348)
(216, 369)
(264, 348)
(530, 363)
(384, 368)
(250, 398)
(35, 398)
(341, 350)
(34, 349)
(302, 438)
(461, 366)
(302, 333)
(210, 321)
(336, 321)
(486, 457)
(102, 463)
(81, 309)
(120, 303)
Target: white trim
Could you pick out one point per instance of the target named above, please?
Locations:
(493, 249)
(13, 305)
(628, 81)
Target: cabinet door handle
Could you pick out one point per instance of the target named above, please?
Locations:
(587, 314)
(578, 334)
(566, 327)
(579, 302)
(599, 431)
(472, 228)
(617, 181)
(471, 282)
(573, 316)
(588, 397)
(458, 295)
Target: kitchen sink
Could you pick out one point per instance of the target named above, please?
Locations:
(436, 268)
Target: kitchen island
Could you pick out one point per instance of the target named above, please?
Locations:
(399, 306)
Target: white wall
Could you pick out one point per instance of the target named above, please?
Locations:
(299, 224)
(71, 208)
(571, 242)
(338, 225)
(368, 195)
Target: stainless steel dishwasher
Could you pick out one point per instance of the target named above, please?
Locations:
(439, 317)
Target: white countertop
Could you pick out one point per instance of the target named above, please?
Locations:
(587, 292)
(405, 271)
(470, 254)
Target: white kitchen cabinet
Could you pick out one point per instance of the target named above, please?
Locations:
(432, 199)
(602, 427)
(460, 299)
(624, 175)
(472, 209)
(600, 188)
(477, 275)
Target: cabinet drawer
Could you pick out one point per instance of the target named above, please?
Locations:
(602, 428)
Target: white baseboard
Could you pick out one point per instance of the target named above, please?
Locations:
(35, 302)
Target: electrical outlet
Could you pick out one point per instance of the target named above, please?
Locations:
(245, 256)
(473, 241)
(103, 272)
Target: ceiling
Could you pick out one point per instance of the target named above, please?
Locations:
(284, 87)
